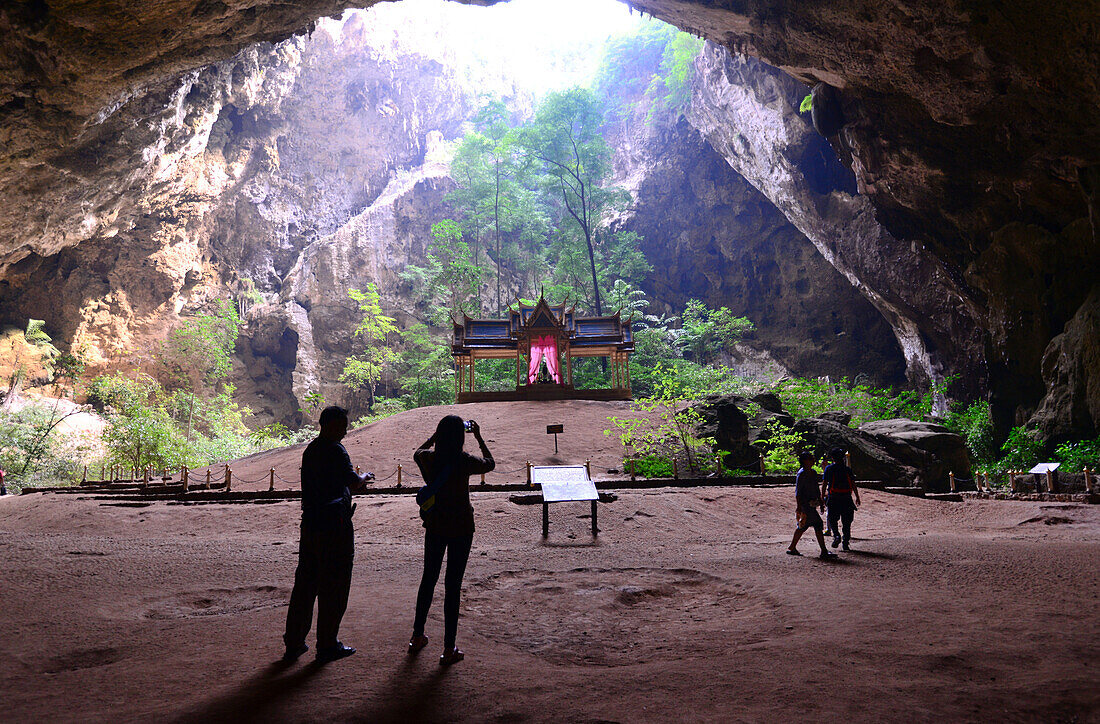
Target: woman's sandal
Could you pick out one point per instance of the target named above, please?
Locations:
(451, 656)
(793, 552)
(416, 643)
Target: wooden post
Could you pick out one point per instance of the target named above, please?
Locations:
(271, 480)
(675, 470)
(1012, 480)
(399, 475)
(631, 463)
(951, 476)
(483, 478)
(848, 460)
(529, 474)
(102, 473)
(84, 480)
(166, 475)
(595, 528)
(228, 479)
(145, 478)
(208, 478)
(1050, 481)
(186, 475)
(588, 468)
(1088, 481)
(761, 464)
(545, 519)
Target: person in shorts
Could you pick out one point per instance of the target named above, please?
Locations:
(839, 488)
(807, 501)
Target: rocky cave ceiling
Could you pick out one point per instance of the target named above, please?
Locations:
(973, 130)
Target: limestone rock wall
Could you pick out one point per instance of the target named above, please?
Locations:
(711, 235)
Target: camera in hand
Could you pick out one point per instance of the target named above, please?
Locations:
(468, 424)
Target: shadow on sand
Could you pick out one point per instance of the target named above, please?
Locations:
(256, 698)
(402, 699)
(872, 554)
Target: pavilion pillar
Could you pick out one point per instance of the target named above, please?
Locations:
(569, 365)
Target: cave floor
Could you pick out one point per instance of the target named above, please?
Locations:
(684, 609)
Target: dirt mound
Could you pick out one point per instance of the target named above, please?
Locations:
(514, 431)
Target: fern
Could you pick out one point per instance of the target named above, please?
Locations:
(807, 104)
(36, 332)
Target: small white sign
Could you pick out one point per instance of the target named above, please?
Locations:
(1042, 468)
(563, 483)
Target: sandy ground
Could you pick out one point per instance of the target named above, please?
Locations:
(684, 609)
(514, 431)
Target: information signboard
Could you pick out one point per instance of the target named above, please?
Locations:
(563, 483)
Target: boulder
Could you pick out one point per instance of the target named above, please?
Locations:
(769, 401)
(838, 416)
(947, 449)
(870, 458)
(726, 422)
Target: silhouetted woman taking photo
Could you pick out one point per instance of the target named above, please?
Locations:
(448, 522)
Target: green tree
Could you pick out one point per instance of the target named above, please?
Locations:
(427, 374)
(362, 371)
(575, 161)
(199, 355)
(706, 332)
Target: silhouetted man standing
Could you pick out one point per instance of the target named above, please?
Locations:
(327, 547)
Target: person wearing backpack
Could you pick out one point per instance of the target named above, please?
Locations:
(448, 524)
(838, 487)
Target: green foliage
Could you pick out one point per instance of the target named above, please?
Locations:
(199, 355)
(573, 161)
(383, 408)
(451, 277)
(427, 375)
(363, 370)
(1078, 455)
(781, 446)
(706, 332)
(1021, 450)
(655, 61)
(650, 467)
(33, 452)
(807, 104)
(148, 425)
(670, 427)
(312, 404)
(68, 365)
(975, 424)
(36, 333)
(495, 374)
(677, 71)
(811, 397)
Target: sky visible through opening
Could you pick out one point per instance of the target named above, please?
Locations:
(537, 45)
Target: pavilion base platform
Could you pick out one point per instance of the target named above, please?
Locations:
(543, 392)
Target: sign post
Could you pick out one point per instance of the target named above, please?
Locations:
(554, 430)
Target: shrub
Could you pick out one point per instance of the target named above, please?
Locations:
(781, 447)
(651, 466)
(810, 398)
(975, 423)
(1078, 455)
(1021, 450)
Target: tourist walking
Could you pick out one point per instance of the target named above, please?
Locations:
(838, 486)
(326, 549)
(807, 500)
(448, 524)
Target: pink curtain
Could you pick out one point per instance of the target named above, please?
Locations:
(540, 346)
